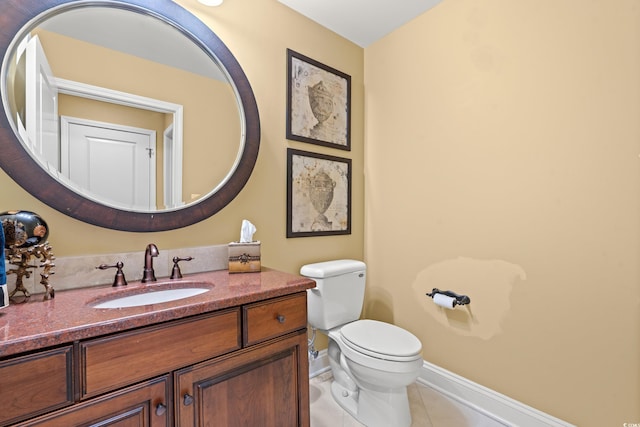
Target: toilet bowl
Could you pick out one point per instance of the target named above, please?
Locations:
(379, 368)
(372, 362)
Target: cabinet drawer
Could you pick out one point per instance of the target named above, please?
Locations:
(34, 384)
(122, 359)
(265, 320)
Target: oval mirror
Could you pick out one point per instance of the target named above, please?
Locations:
(127, 115)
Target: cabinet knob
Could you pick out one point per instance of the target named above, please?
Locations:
(187, 399)
(281, 318)
(161, 409)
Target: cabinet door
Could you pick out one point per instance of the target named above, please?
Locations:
(266, 385)
(147, 404)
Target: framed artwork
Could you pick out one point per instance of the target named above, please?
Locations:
(318, 194)
(318, 103)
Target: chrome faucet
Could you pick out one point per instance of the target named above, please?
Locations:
(148, 274)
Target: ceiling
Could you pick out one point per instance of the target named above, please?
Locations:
(138, 35)
(361, 21)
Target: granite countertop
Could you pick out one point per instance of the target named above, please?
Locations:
(71, 316)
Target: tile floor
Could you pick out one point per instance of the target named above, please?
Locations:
(428, 408)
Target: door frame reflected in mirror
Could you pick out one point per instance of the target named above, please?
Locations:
(173, 186)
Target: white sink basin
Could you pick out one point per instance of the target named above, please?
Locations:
(151, 297)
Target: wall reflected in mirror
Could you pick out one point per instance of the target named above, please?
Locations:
(134, 114)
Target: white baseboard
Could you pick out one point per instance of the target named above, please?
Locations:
(492, 404)
(319, 365)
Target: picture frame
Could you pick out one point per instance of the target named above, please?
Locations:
(318, 194)
(318, 103)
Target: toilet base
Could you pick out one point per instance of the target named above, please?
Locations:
(372, 408)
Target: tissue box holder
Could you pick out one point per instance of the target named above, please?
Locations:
(244, 257)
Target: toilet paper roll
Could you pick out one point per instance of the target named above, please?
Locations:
(444, 301)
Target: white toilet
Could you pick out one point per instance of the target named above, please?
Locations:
(372, 362)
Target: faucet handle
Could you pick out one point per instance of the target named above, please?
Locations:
(175, 272)
(119, 279)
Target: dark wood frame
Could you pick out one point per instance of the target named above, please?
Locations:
(20, 166)
(290, 194)
(291, 55)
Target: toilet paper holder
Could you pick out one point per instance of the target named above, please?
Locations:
(459, 299)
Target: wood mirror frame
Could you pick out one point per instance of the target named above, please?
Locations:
(27, 172)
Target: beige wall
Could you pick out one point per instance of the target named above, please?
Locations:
(248, 29)
(502, 145)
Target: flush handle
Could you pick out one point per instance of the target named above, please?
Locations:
(187, 399)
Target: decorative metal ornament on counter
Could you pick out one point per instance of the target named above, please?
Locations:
(25, 244)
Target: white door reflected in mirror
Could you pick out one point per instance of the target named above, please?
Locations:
(41, 105)
(115, 164)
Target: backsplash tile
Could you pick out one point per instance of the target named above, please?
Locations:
(81, 272)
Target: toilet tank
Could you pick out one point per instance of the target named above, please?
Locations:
(339, 293)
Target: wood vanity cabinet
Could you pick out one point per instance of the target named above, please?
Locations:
(242, 366)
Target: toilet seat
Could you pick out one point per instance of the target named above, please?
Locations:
(379, 362)
(381, 340)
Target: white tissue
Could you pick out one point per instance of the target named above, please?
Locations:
(444, 301)
(246, 231)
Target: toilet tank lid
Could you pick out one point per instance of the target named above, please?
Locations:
(320, 270)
